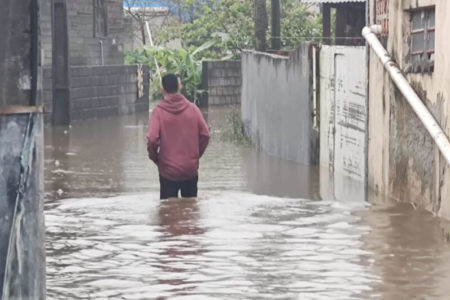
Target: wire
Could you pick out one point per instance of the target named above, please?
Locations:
(319, 37)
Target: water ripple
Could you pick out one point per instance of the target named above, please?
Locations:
(227, 246)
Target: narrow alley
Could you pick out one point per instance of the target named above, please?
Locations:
(327, 170)
(262, 228)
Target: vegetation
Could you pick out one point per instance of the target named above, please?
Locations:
(298, 24)
(218, 29)
(261, 25)
(184, 62)
(228, 22)
(234, 128)
(231, 24)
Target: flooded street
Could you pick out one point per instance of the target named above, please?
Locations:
(262, 228)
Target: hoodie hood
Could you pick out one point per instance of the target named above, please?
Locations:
(174, 103)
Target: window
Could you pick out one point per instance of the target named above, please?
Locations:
(422, 40)
(100, 28)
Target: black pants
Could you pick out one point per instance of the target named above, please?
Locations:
(169, 188)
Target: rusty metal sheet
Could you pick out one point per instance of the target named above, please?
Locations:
(382, 15)
(19, 109)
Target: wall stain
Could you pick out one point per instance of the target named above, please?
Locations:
(413, 160)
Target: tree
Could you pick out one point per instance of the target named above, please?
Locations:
(235, 25)
(276, 24)
(298, 24)
(260, 25)
(228, 22)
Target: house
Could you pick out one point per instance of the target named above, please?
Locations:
(404, 161)
(340, 91)
(95, 30)
(332, 93)
(345, 18)
(82, 58)
(158, 17)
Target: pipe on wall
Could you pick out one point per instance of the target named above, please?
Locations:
(432, 126)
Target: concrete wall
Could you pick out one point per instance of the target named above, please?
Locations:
(84, 47)
(98, 91)
(46, 31)
(22, 230)
(222, 80)
(277, 104)
(15, 77)
(403, 160)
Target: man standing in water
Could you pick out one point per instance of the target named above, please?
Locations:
(177, 137)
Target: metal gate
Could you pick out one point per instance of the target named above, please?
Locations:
(343, 111)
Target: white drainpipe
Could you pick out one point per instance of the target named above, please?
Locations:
(436, 132)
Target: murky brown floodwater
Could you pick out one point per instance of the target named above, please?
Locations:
(261, 229)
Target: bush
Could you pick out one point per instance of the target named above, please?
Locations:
(234, 128)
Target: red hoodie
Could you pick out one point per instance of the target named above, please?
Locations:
(177, 137)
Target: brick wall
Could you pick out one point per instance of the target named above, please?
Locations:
(222, 80)
(98, 91)
(46, 31)
(47, 92)
(84, 47)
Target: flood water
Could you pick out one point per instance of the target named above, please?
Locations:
(262, 228)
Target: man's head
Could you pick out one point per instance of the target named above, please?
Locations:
(171, 83)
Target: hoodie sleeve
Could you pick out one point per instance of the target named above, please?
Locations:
(153, 136)
(203, 133)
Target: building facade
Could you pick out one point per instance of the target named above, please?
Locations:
(82, 57)
(404, 162)
(95, 30)
(136, 35)
(342, 21)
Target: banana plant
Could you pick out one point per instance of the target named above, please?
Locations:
(187, 63)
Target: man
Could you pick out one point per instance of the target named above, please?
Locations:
(177, 138)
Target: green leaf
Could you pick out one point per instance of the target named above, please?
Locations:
(204, 47)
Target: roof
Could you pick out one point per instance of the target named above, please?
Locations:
(143, 4)
(332, 1)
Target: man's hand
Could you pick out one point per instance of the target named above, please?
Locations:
(152, 154)
(155, 160)
(153, 138)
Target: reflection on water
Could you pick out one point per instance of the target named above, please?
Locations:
(261, 229)
(411, 255)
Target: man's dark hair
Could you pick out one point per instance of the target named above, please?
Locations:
(170, 83)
